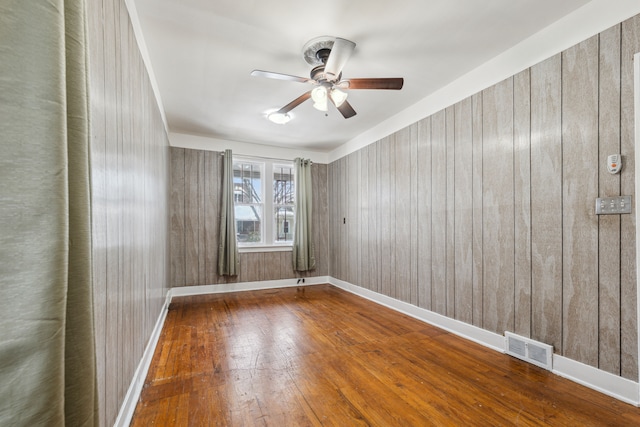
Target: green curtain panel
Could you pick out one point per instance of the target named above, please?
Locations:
(47, 356)
(228, 257)
(304, 258)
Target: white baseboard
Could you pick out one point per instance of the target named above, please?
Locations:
(612, 385)
(465, 330)
(183, 291)
(133, 394)
(597, 379)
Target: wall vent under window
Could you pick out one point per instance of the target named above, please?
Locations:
(538, 353)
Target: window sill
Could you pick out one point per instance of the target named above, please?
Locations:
(284, 248)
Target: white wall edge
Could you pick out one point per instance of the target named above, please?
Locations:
(588, 376)
(596, 379)
(182, 291)
(128, 406)
(144, 52)
(195, 142)
(636, 102)
(589, 20)
(464, 330)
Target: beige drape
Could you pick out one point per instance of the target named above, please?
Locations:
(47, 357)
(228, 257)
(304, 258)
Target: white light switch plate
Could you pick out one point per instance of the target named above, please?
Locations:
(613, 205)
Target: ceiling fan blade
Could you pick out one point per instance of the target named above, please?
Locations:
(340, 54)
(345, 109)
(280, 76)
(393, 83)
(293, 104)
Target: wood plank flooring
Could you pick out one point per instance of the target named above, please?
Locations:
(320, 356)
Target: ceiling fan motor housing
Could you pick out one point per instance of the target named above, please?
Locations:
(323, 55)
(318, 74)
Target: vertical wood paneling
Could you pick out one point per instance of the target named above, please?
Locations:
(113, 368)
(130, 194)
(125, 237)
(337, 200)
(463, 211)
(286, 265)
(320, 219)
(498, 209)
(138, 259)
(341, 254)
(191, 215)
(424, 213)
(122, 291)
(344, 213)
(522, 201)
(609, 185)
(393, 196)
(252, 266)
(341, 230)
(364, 265)
(272, 266)
(202, 259)
(580, 188)
(385, 218)
(99, 197)
(402, 224)
(546, 202)
(333, 218)
(374, 218)
(177, 221)
(439, 213)
(628, 273)
(450, 242)
(352, 226)
(413, 215)
(477, 169)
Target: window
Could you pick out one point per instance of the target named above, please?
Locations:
(264, 194)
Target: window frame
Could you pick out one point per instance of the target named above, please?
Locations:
(268, 241)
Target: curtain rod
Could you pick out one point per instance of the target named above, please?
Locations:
(263, 157)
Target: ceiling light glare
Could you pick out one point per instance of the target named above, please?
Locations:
(338, 97)
(319, 96)
(279, 118)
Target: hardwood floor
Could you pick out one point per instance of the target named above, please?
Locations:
(320, 356)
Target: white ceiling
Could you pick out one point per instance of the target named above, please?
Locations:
(202, 53)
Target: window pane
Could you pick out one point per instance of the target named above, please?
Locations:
(283, 185)
(249, 223)
(283, 220)
(247, 182)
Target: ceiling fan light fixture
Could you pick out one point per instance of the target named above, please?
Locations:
(319, 96)
(337, 96)
(279, 118)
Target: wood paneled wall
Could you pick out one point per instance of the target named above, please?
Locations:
(129, 161)
(484, 211)
(196, 177)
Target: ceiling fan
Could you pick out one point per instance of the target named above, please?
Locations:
(328, 55)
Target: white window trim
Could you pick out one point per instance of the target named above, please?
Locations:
(280, 247)
(268, 243)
